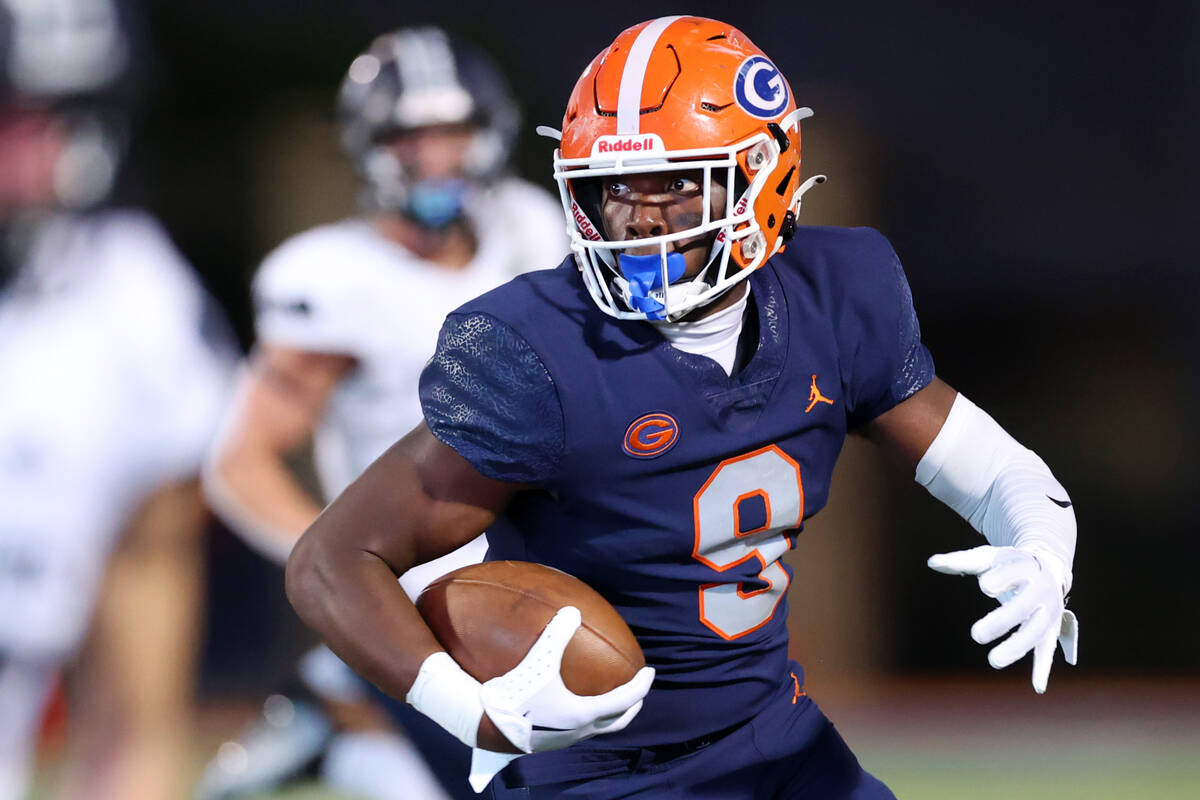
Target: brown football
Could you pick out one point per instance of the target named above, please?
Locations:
(488, 615)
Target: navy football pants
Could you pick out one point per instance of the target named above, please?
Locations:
(790, 751)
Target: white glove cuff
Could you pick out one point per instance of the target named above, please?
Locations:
(447, 695)
(1053, 563)
(1001, 488)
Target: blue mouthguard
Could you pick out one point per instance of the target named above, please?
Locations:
(436, 203)
(644, 274)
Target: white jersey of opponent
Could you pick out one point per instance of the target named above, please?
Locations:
(110, 391)
(344, 288)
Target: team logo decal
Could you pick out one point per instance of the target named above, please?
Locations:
(759, 88)
(651, 435)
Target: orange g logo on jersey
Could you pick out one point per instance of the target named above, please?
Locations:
(651, 435)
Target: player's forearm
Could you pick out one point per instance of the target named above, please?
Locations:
(259, 499)
(1010, 496)
(341, 576)
(1004, 490)
(355, 603)
(352, 599)
(279, 403)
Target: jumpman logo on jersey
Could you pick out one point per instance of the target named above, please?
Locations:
(815, 396)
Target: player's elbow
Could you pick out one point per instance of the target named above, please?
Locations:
(303, 577)
(218, 476)
(229, 467)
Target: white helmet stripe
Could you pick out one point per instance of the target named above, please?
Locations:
(424, 59)
(629, 101)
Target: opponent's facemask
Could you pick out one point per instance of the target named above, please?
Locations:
(670, 94)
(421, 78)
(73, 60)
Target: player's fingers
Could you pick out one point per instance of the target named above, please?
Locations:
(558, 631)
(1002, 620)
(640, 683)
(544, 740)
(964, 562)
(1021, 642)
(631, 691)
(619, 723)
(1068, 637)
(616, 702)
(1005, 577)
(1043, 658)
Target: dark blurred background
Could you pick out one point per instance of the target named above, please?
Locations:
(1033, 163)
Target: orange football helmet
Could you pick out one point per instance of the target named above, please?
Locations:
(681, 93)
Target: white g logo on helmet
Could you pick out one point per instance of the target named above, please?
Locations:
(759, 88)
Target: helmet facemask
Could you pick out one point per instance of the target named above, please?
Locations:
(403, 183)
(626, 286)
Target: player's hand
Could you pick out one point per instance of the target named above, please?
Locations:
(1029, 587)
(535, 711)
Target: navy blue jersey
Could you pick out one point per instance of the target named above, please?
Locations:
(670, 487)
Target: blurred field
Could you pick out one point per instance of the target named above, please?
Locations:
(994, 738)
(991, 737)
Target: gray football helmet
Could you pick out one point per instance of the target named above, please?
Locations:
(414, 78)
(72, 58)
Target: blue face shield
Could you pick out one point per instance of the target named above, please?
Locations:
(436, 203)
(644, 274)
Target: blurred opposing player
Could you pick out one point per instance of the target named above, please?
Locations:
(658, 417)
(113, 386)
(348, 313)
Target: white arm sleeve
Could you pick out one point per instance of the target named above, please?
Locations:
(1003, 489)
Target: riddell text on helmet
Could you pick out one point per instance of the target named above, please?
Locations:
(643, 143)
(585, 225)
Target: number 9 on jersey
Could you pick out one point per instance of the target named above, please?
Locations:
(772, 476)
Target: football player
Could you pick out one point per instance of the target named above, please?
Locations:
(658, 417)
(347, 314)
(113, 386)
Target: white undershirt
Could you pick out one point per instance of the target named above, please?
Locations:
(715, 336)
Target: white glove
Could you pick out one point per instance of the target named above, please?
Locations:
(532, 695)
(535, 711)
(529, 704)
(1029, 586)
